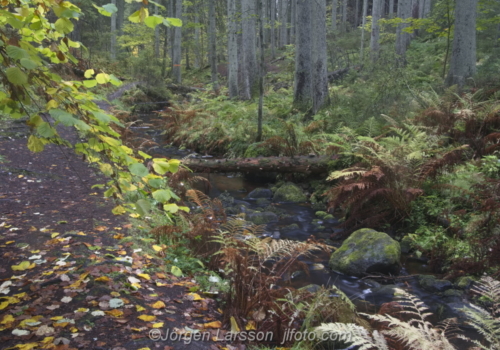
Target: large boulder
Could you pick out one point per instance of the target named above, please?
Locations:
(289, 192)
(262, 218)
(260, 193)
(367, 251)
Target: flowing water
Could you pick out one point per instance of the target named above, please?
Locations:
(367, 294)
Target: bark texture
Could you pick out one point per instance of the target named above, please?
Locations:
(319, 55)
(232, 49)
(177, 54)
(463, 56)
(303, 57)
(403, 38)
(249, 69)
(375, 36)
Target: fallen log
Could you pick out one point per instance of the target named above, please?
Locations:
(300, 164)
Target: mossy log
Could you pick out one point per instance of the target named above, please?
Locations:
(302, 164)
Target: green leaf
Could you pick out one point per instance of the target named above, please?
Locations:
(16, 52)
(161, 195)
(63, 117)
(144, 155)
(102, 117)
(89, 83)
(35, 144)
(176, 271)
(89, 73)
(142, 207)
(45, 130)
(28, 64)
(115, 81)
(106, 168)
(64, 25)
(174, 165)
(161, 166)
(139, 169)
(119, 210)
(135, 17)
(153, 21)
(176, 22)
(111, 8)
(155, 183)
(102, 78)
(16, 76)
(171, 208)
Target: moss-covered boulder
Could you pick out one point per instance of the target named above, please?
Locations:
(260, 193)
(262, 218)
(432, 284)
(289, 192)
(367, 251)
(257, 149)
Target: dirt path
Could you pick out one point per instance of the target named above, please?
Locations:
(68, 266)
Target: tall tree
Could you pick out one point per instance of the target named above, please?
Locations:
(390, 11)
(249, 67)
(319, 54)
(375, 37)
(177, 54)
(213, 44)
(403, 38)
(335, 5)
(157, 36)
(197, 43)
(113, 34)
(284, 23)
(344, 15)
(260, 115)
(303, 57)
(273, 23)
(463, 55)
(232, 49)
(363, 25)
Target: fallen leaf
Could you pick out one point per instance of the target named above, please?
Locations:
(102, 279)
(20, 332)
(194, 296)
(144, 275)
(114, 313)
(214, 324)
(147, 318)
(25, 265)
(66, 299)
(158, 325)
(158, 305)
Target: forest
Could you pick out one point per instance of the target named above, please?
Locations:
(250, 174)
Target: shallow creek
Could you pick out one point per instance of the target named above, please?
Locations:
(368, 295)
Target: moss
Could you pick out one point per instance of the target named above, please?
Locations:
(321, 214)
(289, 192)
(464, 282)
(255, 149)
(328, 217)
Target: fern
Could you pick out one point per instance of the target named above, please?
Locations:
(353, 334)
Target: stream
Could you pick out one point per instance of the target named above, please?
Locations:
(368, 295)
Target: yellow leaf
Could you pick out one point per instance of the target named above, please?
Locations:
(139, 308)
(102, 279)
(4, 305)
(74, 330)
(32, 228)
(10, 242)
(119, 236)
(114, 313)
(56, 318)
(20, 295)
(54, 235)
(144, 349)
(101, 228)
(157, 248)
(159, 284)
(48, 340)
(250, 326)
(7, 319)
(82, 309)
(136, 329)
(158, 305)
(161, 275)
(214, 324)
(144, 275)
(25, 265)
(27, 346)
(195, 296)
(158, 325)
(147, 318)
(122, 252)
(234, 325)
(115, 294)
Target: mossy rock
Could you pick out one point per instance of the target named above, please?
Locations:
(321, 214)
(328, 217)
(263, 202)
(257, 149)
(289, 192)
(260, 193)
(262, 218)
(464, 282)
(367, 251)
(432, 284)
(406, 245)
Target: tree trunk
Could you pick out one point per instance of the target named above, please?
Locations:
(284, 22)
(319, 54)
(120, 16)
(335, 5)
(248, 42)
(344, 16)
(261, 74)
(356, 14)
(463, 55)
(213, 44)
(273, 31)
(113, 34)
(157, 37)
(232, 49)
(303, 59)
(375, 36)
(403, 38)
(197, 54)
(301, 164)
(390, 13)
(363, 25)
(177, 55)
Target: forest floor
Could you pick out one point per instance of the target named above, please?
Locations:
(67, 266)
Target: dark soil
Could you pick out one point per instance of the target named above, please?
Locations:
(65, 237)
